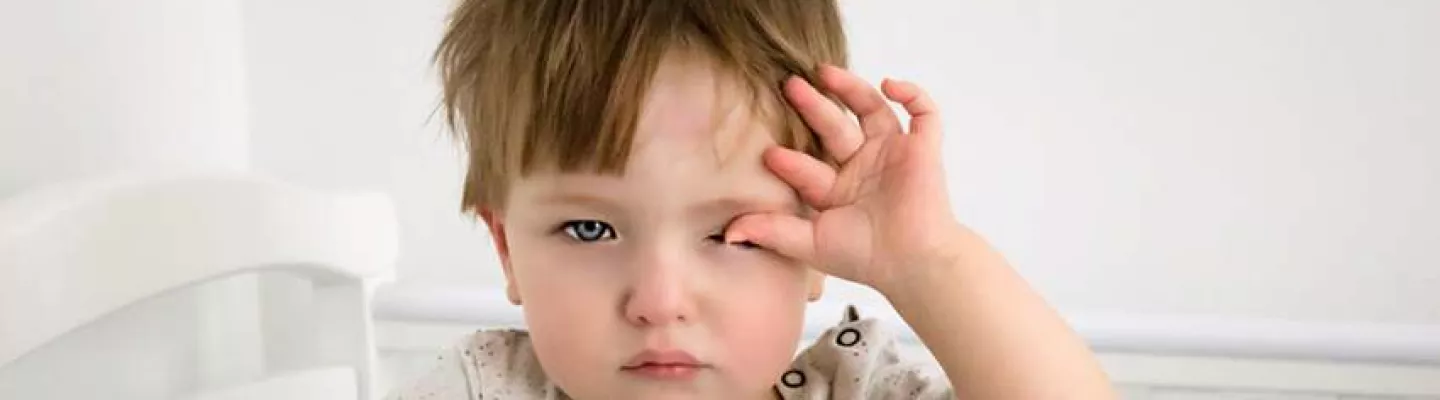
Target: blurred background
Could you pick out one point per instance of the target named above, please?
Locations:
(1230, 199)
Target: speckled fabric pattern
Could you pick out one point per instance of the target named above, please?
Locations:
(857, 359)
(491, 364)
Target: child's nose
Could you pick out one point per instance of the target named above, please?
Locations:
(659, 293)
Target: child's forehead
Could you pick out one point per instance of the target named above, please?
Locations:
(699, 137)
(692, 103)
(698, 140)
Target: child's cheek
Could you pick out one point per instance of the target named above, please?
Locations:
(566, 305)
(761, 312)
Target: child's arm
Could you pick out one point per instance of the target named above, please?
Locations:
(995, 337)
(884, 220)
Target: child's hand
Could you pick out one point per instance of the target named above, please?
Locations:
(884, 220)
(886, 211)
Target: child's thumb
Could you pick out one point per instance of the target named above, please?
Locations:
(788, 235)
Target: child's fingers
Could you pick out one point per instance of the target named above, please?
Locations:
(785, 234)
(811, 178)
(838, 133)
(876, 118)
(924, 114)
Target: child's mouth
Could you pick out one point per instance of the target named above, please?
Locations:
(672, 364)
(665, 371)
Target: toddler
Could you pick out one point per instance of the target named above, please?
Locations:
(668, 182)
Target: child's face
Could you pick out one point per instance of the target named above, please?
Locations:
(622, 278)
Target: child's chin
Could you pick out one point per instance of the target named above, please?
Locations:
(697, 386)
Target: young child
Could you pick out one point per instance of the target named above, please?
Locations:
(667, 183)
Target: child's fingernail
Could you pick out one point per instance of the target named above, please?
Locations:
(892, 83)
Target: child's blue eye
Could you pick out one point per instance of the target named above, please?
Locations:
(588, 230)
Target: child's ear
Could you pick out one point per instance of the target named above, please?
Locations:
(502, 247)
(817, 284)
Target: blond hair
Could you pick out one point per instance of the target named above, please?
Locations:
(530, 83)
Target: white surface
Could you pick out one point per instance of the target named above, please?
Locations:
(341, 97)
(156, 342)
(1236, 158)
(92, 86)
(72, 254)
(1217, 374)
(316, 384)
(72, 251)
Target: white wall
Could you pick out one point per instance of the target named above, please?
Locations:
(341, 97)
(1239, 158)
(91, 87)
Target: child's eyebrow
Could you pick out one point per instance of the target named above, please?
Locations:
(720, 205)
(580, 199)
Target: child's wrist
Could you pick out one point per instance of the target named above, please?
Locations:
(920, 266)
(961, 250)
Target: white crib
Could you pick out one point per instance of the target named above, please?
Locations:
(200, 250)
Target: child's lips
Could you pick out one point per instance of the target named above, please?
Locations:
(666, 371)
(664, 364)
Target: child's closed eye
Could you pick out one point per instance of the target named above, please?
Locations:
(719, 237)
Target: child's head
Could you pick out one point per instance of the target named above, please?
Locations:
(610, 142)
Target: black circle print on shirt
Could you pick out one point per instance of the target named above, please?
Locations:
(793, 379)
(848, 337)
